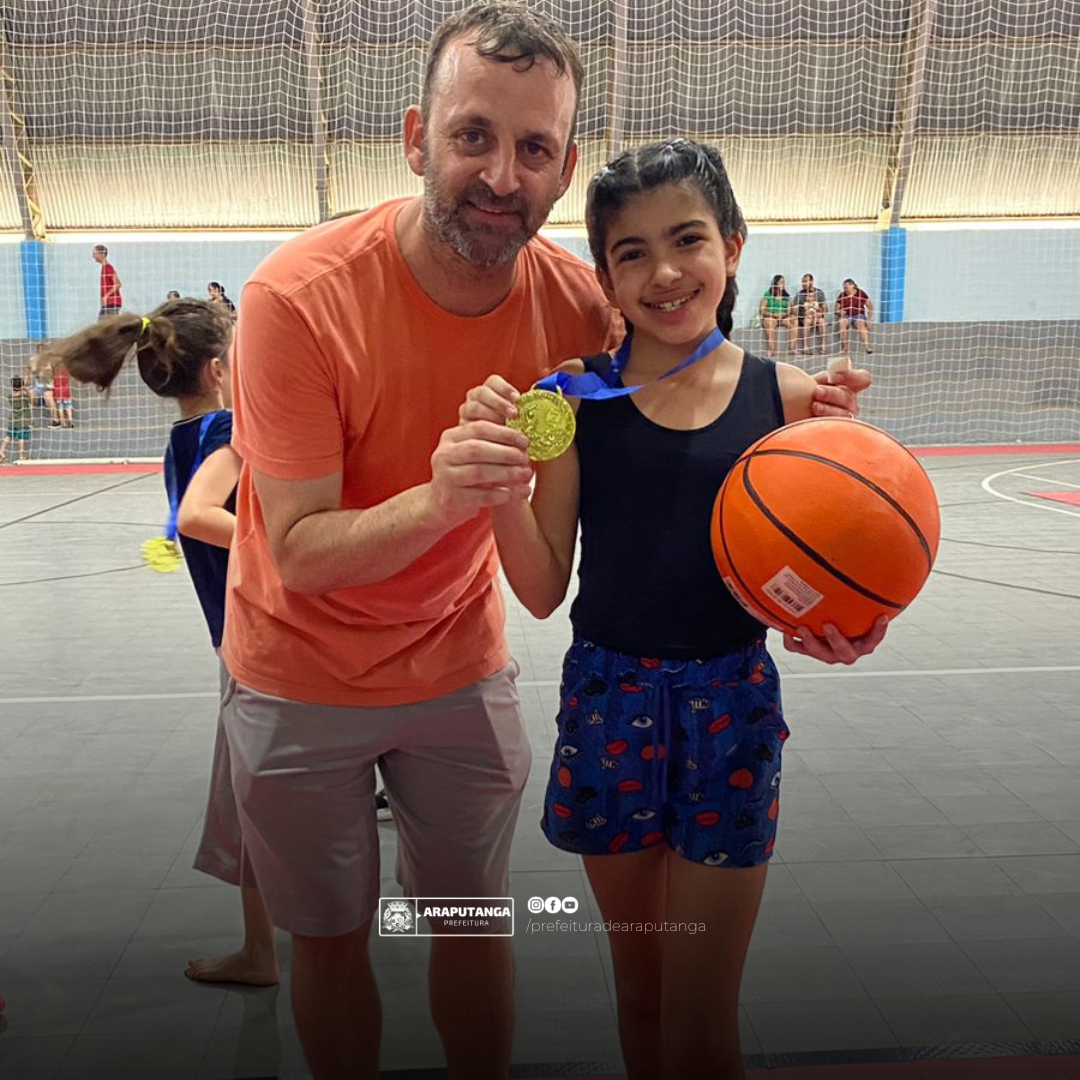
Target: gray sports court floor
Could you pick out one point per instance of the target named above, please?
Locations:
(924, 899)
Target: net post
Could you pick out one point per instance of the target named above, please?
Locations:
(315, 109)
(620, 61)
(899, 167)
(17, 150)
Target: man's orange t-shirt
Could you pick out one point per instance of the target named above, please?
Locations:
(341, 361)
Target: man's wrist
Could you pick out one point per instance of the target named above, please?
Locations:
(437, 516)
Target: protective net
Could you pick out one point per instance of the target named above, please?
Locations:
(927, 149)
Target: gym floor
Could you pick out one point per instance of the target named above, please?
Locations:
(923, 904)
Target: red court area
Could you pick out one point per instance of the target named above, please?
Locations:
(1070, 498)
(104, 469)
(82, 470)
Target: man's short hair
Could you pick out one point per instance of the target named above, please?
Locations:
(508, 33)
(102, 248)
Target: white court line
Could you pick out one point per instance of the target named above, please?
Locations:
(987, 483)
(784, 677)
(1047, 480)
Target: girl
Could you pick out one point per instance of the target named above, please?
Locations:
(667, 766)
(775, 309)
(181, 350)
(854, 306)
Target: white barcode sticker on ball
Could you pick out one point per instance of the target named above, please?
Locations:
(791, 592)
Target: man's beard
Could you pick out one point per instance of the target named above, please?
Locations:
(480, 245)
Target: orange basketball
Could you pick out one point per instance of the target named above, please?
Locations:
(827, 520)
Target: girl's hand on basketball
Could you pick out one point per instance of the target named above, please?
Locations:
(494, 401)
(834, 648)
(837, 392)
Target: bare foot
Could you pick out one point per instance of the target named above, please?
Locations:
(260, 969)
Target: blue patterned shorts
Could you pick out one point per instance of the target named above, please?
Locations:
(681, 751)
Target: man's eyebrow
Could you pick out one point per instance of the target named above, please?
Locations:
(479, 120)
(472, 120)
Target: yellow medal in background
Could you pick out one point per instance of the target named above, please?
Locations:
(548, 420)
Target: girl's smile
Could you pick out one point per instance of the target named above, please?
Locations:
(672, 305)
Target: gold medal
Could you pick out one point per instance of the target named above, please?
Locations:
(548, 420)
(162, 554)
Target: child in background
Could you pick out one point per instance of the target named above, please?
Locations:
(20, 415)
(38, 377)
(61, 384)
(666, 770)
(182, 352)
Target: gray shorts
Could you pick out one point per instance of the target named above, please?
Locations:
(304, 775)
(221, 853)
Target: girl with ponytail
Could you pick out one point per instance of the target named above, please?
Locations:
(181, 351)
(666, 771)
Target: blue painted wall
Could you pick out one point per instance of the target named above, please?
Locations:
(955, 275)
(964, 275)
(148, 269)
(975, 275)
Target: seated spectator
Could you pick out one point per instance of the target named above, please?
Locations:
(810, 312)
(854, 307)
(775, 310)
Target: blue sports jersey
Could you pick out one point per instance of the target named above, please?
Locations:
(207, 564)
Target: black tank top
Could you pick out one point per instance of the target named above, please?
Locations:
(651, 588)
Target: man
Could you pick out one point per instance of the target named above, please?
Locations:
(111, 300)
(810, 311)
(365, 624)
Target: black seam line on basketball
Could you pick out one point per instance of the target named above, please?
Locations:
(862, 480)
(731, 562)
(809, 552)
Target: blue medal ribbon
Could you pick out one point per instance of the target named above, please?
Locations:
(593, 387)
